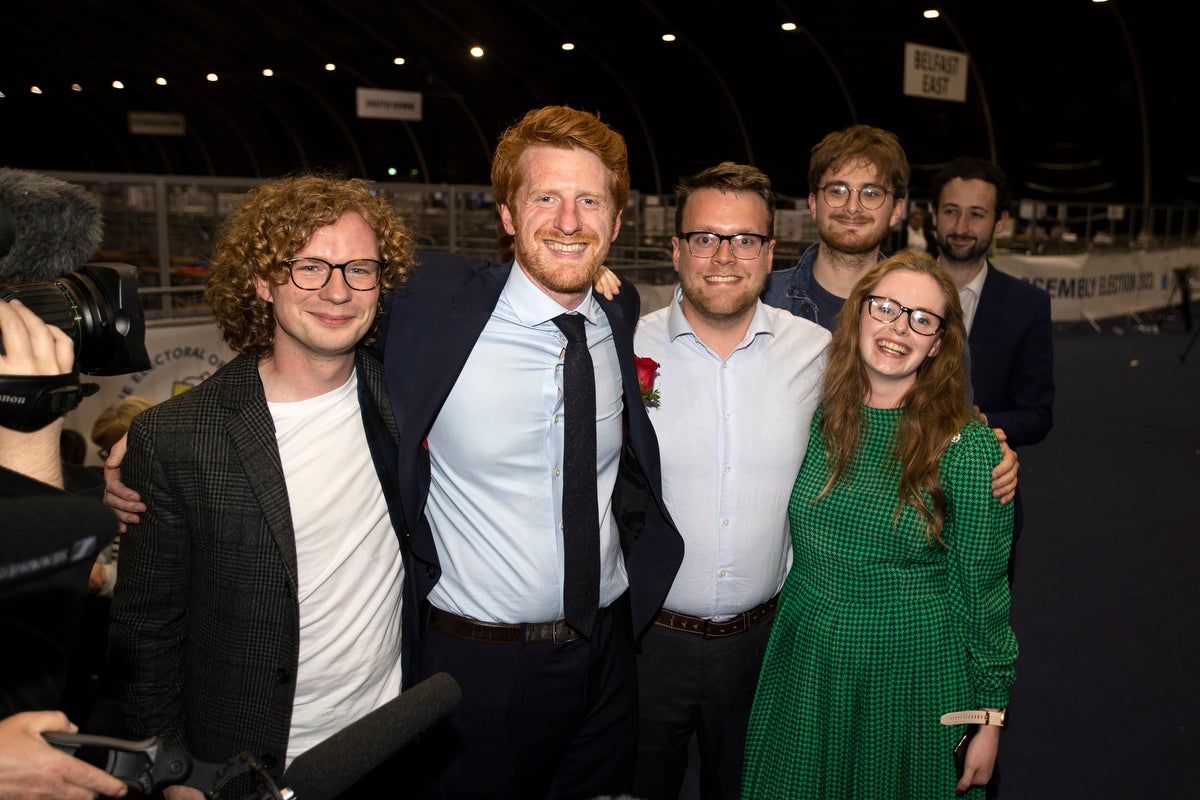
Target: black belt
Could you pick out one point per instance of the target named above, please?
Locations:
(714, 630)
(557, 631)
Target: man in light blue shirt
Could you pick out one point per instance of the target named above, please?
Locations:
(738, 384)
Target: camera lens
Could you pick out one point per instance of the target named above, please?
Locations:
(98, 307)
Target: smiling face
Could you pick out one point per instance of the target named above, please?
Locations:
(891, 352)
(330, 321)
(721, 289)
(965, 220)
(853, 229)
(563, 220)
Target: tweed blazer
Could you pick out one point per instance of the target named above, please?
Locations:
(205, 613)
(428, 331)
(1012, 358)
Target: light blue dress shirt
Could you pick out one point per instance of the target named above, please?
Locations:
(732, 433)
(496, 452)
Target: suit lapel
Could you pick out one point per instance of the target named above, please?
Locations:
(252, 433)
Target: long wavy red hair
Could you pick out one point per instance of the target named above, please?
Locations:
(936, 406)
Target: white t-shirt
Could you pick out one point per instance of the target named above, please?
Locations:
(349, 565)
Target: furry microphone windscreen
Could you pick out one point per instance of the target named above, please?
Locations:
(56, 226)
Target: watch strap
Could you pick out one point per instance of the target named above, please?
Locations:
(980, 717)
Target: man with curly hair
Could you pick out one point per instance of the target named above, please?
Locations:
(247, 589)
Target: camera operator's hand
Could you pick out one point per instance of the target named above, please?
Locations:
(31, 768)
(125, 503)
(31, 347)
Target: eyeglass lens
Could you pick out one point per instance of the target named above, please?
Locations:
(705, 244)
(870, 196)
(313, 273)
(885, 309)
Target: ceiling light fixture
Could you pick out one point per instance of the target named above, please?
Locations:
(211, 77)
(668, 37)
(330, 67)
(161, 81)
(398, 61)
(35, 90)
(268, 72)
(477, 52)
(788, 26)
(118, 85)
(75, 87)
(568, 46)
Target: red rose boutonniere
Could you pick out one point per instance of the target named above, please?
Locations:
(647, 369)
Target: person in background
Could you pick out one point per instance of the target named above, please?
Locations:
(916, 235)
(895, 610)
(1009, 329)
(31, 470)
(270, 546)
(737, 384)
(857, 178)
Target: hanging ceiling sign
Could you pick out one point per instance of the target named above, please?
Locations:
(388, 104)
(157, 123)
(935, 73)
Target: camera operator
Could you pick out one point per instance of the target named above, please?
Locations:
(35, 643)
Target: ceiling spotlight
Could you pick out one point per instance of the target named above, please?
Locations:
(1, 95)
(931, 13)
(35, 90)
(477, 52)
(75, 87)
(668, 37)
(118, 85)
(398, 61)
(568, 46)
(211, 77)
(788, 26)
(392, 171)
(330, 67)
(161, 81)
(268, 72)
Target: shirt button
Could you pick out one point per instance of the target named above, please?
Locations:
(725, 523)
(728, 469)
(557, 472)
(722, 573)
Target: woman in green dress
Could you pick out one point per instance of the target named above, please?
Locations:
(895, 611)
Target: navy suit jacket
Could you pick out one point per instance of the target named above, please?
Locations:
(427, 332)
(1012, 358)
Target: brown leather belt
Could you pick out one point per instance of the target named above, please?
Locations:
(714, 630)
(504, 633)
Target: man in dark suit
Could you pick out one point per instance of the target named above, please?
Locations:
(258, 606)
(1008, 320)
(475, 363)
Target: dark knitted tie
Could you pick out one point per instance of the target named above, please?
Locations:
(581, 514)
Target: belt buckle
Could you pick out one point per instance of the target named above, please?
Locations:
(569, 636)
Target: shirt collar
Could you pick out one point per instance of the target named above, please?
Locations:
(678, 325)
(975, 285)
(533, 307)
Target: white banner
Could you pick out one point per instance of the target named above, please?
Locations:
(180, 357)
(1095, 285)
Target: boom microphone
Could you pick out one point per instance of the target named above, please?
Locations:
(54, 227)
(331, 767)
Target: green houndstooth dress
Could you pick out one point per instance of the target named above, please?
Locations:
(878, 633)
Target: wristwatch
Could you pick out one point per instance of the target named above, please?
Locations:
(998, 719)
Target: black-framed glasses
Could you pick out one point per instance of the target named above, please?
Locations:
(310, 274)
(885, 309)
(705, 244)
(838, 194)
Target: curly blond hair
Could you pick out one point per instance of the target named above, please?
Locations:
(275, 222)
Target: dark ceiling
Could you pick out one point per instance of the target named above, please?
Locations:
(1062, 89)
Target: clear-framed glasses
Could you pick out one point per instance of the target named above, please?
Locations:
(705, 244)
(310, 274)
(885, 309)
(838, 194)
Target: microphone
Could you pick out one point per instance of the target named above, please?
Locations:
(331, 767)
(52, 226)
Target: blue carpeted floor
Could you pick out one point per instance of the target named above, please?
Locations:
(1106, 603)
